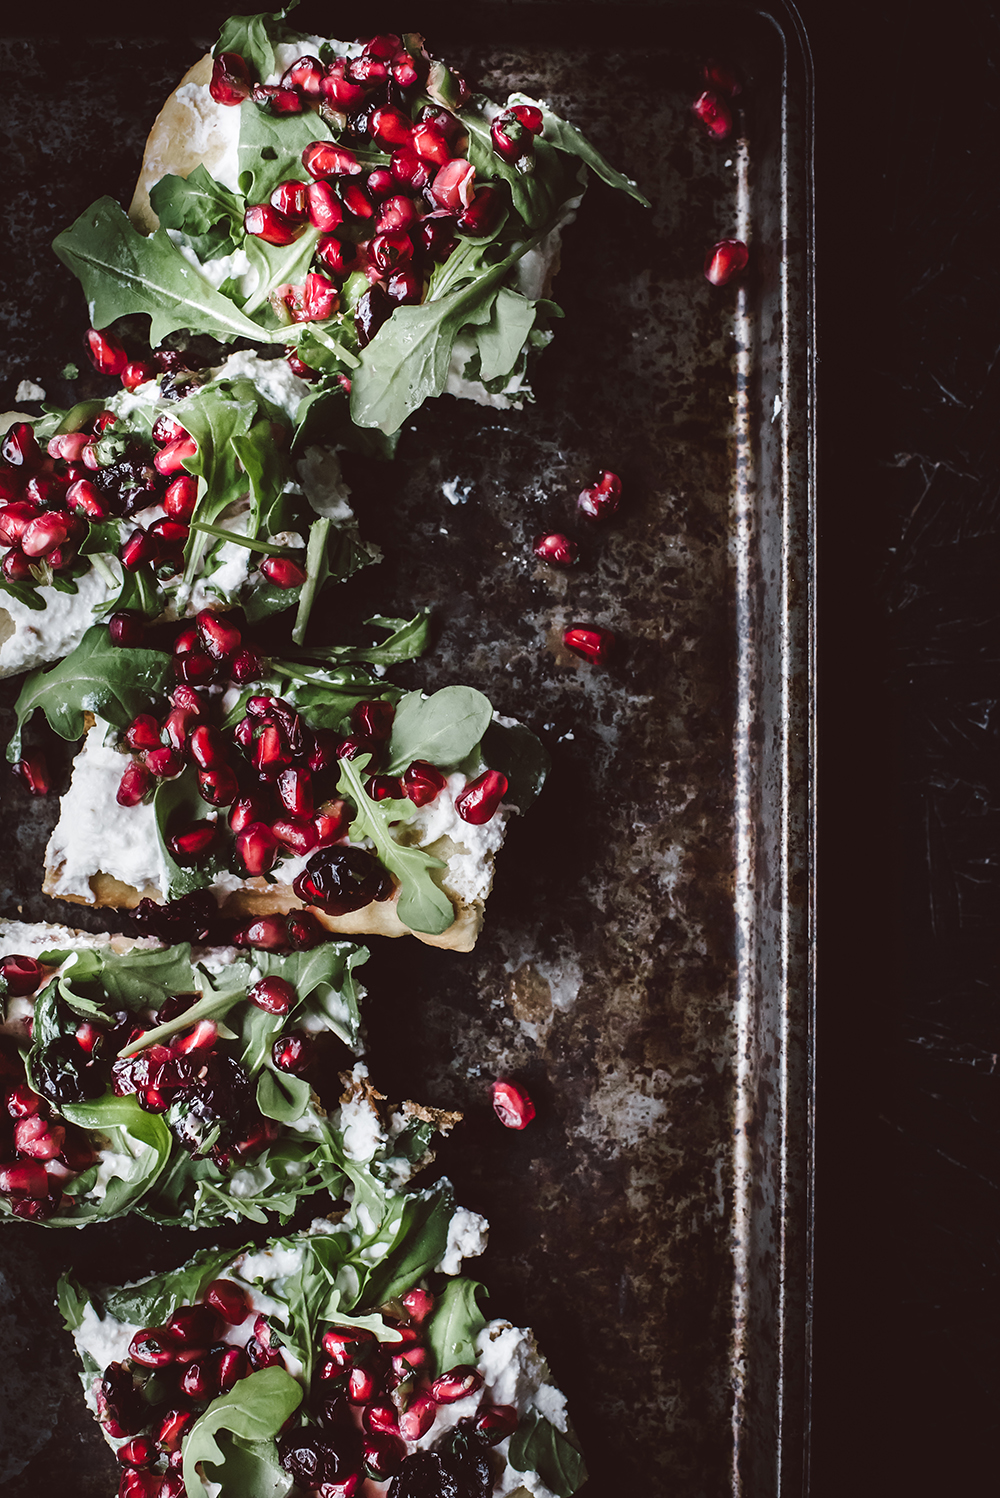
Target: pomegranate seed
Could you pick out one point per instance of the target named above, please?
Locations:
(323, 207)
(290, 199)
(388, 251)
(245, 810)
(46, 532)
(307, 74)
(722, 77)
(28, 1179)
(269, 933)
(323, 159)
(103, 420)
(593, 644)
(208, 747)
(405, 1363)
(417, 1419)
(405, 288)
(408, 169)
(218, 787)
(296, 834)
(194, 841)
(380, 1419)
(196, 666)
(178, 726)
(39, 1139)
(495, 1423)
(139, 548)
(170, 534)
(367, 69)
(139, 1452)
(276, 99)
(140, 1485)
(299, 367)
(304, 930)
(383, 1456)
(481, 797)
(20, 449)
(714, 114)
(34, 771)
(153, 1347)
(270, 225)
(201, 1037)
(230, 79)
(373, 309)
(22, 1102)
(283, 572)
(137, 372)
(135, 784)
(164, 763)
(15, 519)
(431, 144)
(510, 140)
(294, 787)
(482, 215)
(363, 1384)
(453, 188)
(405, 70)
(344, 1344)
(88, 1036)
(143, 733)
(291, 1053)
(725, 260)
(197, 1381)
(271, 751)
(171, 1486)
(330, 828)
(172, 1429)
(47, 490)
(16, 567)
(194, 1326)
(257, 847)
(12, 482)
(390, 127)
(126, 630)
(22, 975)
(89, 457)
(187, 698)
(527, 115)
(384, 46)
(373, 718)
(397, 214)
(320, 299)
(556, 549)
(83, 497)
(341, 93)
(337, 255)
(174, 455)
(105, 352)
(357, 201)
(274, 995)
(228, 1300)
(181, 497)
(383, 788)
(456, 1384)
(230, 1367)
(601, 500)
(246, 665)
(167, 430)
(422, 782)
(512, 1105)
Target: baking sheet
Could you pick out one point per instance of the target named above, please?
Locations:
(645, 964)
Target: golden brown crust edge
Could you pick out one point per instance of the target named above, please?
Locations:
(169, 149)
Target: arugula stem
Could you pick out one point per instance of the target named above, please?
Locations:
(248, 541)
(103, 568)
(318, 533)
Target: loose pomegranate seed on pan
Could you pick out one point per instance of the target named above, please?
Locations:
(714, 114)
(593, 644)
(601, 500)
(512, 1105)
(556, 549)
(106, 353)
(722, 77)
(34, 771)
(725, 260)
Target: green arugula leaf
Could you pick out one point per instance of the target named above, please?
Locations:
(153, 1301)
(139, 1137)
(95, 678)
(517, 753)
(566, 137)
(501, 341)
(72, 1300)
(419, 1242)
(208, 214)
(123, 271)
(422, 904)
(536, 195)
(175, 802)
(442, 729)
(23, 593)
(214, 416)
(277, 265)
(455, 1323)
(253, 1413)
(128, 980)
(536, 1446)
(281, 1096)
(215, 1004)
(317, 572)
(409, 639)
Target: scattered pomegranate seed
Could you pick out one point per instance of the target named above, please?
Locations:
(511, 140)
(307, 74)
(105, 352)
(422, 782)
(218, 787)
(383, 1456)
(431, 144)
(143, 732)
(373, 309)
(512, 1105)
(25, 1179)
(22, 975)
(229, 1301)
(418, 1304)
(194, 1326)
(276, 99)
(139, 548)
(164, 763)
(85, 498)
(139, 1452)
(290, 199)
(364, 1383)
(153, 1347)
(258, 848)
(283, 572)
(230, 79)
(270, 225)
(341, 93)
(34, 771)
(714, 114)
(201, 1037)
(418, 1417)
(722, 77)
(593, 644)
(126, 630)
(194, 841)
(136, 782)
(172, 1429)
(556, 549)
(230, 1367)
(481, 797)
(197, 666)
(46, 532)
(397, 214)
(181, 497)
(166, 430)
(137, 372)
(323, 159)
(495, 1423)
(601, 500)
(405, 70)
(408, 170)
(208, 747)
(390, 126)
(339, 256)
(246, 665)
(725, 260)
(453, 188)
(175, 454)
(219, 637)
(16, 567)
(274, 995)
(456, 1384)
(291, 1053)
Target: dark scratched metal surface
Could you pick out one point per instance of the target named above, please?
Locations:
(644, 965)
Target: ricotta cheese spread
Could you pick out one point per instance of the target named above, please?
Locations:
(30, 637)
(467, 1237)
(469, 873)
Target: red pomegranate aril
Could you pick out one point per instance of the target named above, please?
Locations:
(194, 1326)
(330, 828)
(383, 788)
(137, 372)
(208, 747)
(197, 1381)
(306, 74)
(320, 299)
(512, 1105)
(178, 726)
(12, 482)
(20, 449)
(197, 667)
(246, 665)
(380, 1419)
(46, 532)
(404, 70)
(283, 572)
(300, 367)
(383, 1456)
(88, 457)
(527, 115)
(167, 430)
(725, 260)
(341, 93)
(269, 933)
(85, 498)
(15, 519)
(16, 567)
(323, 207)
(135, 785)
(22, 975)
(296, 834)
(496, 1422)
(389, 251)
(136, 1484)
(295, 790)
(291, 1053)
(181, 497)
(276, 99)
(453, 187)
(47, 490)
(601, 500)
(456, 1384)
(363, 1384)
(418, 1417)
(510, 140)
(482, 215)
(143, 732)
(290, 199)
(304, 930)
(126, 630)
(186, 640)
(556, 549)
(229, 1367)
(407, 1362)
(25, 1179)
(323, 159)
(270, 225)
(230, 79)
(422, 782)
(389, 126)
(34, 771)
(175, 454)
(194, 841)
(228, 1300)
(271, 752)
(385, 46)
(478, 803)
(593, 644)
(153, 1347)
(164, 763)
(338, 256)
(88, 1036)
(431, 144)
(257, 847)
(245, 810)
(219, 787)
(201, 1037)
(139, 1452)
(409, 170)
(273, 995)
(722, 77)
(140, 547)
(373, 718)
(344, 1344)
(173, 1428)
(396, 215)
(105, 352)
(170, 534)
(357, 201)
(418, 1304)
(38, 1137)
(405, 288)
(713, 113)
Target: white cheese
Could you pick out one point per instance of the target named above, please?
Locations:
(207, 129)
(28, 390)
(323, 484)
(272, 1265)
(95, 834)
(516, 1373)
(113, 1166)
(273, 378)
(467, 1236)
(105, 1340)
(30, 637)
(469, 873)
(250, 1182)
(359, 1123)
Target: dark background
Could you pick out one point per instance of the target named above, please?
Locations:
(905, 1386)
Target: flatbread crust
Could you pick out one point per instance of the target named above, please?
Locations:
(181, 138)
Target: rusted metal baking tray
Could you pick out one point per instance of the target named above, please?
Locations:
(645, 967)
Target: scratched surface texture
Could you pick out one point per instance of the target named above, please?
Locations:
(606, 974)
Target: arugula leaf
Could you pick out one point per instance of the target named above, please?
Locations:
(215, 1003)
(536, 1446)
(409, 639)
(422, 904)
(141, 1137)
(566, 137)
(276, 265)
(253, 1413)
(174, 802)
(317, 572)
(420, 1241)
(281, 1096)
(154, 1300)
(443, 728)
(208, 214)
(271, 147)
(24, 593)
(130, 980)
(536, 195)
(501, 342)
(72, 1300)
(455, 1323)
(214, 416)
(255, 37)
(95, 678)
(123, 271)
(513, 749)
